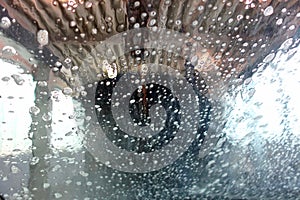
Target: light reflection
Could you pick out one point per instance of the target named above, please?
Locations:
(273, 111)
(65, 121)
(15, 102)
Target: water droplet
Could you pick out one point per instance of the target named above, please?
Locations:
(5, 78)
(111, 69)
(34, 110)
(88, 4)
(178, 22)
(55, 3)
(8, 51)
(268, 11)
(14, 169)
(248, 2)
(136, 4)
(58, 195)
(46, 185)
(195, 23)
(144, 69)
(55, 69)
(279, 21)
(131, 101)
(83, 93)
(292, 27)
(239, 17)
(75, 68)
(152, 22)
(91, 18)
(84, 174)
(18, 79)
(47, 117)
(72, 23)
(67, 91)
(248, 94)
(57, 64)
(167, 2)
(43, 37)
(94, 31)
(42, 83)
(269, 58)
(247, 81)
(5, 22)
(286, 44)
(34, 160)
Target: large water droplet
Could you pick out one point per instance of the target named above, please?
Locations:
(43, 37)
(5, 22)
(8, 51)
(268, 11)
(18, 79)
(286, 44)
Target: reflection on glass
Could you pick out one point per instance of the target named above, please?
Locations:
(17, 96)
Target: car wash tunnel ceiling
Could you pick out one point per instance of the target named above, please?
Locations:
(233, 36)
(145, 77)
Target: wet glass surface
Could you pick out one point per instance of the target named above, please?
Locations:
(149, 99)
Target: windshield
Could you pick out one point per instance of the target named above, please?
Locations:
(149, 99)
